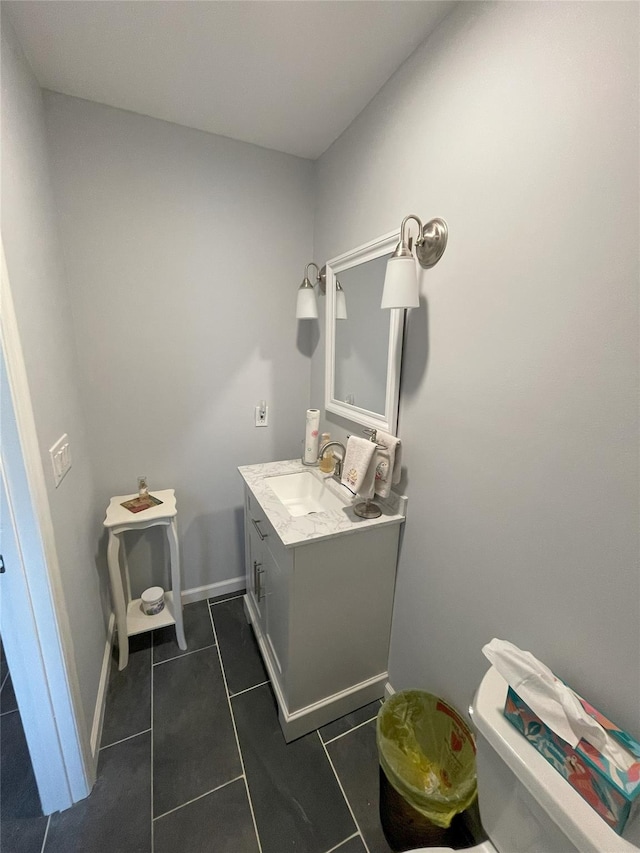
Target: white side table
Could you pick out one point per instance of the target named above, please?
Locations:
(130, 618)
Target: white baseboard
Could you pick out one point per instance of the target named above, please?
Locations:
(101, 699)
(211, 590)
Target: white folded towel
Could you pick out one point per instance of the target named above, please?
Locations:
(394, 448)
(382, 465)
(358, 470)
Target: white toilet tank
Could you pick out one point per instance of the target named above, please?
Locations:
(525, 805)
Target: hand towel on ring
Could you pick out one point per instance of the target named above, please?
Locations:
(358, 469)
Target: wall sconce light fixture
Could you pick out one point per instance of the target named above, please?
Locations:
(341, 302)
(307, 306)
(401, 279)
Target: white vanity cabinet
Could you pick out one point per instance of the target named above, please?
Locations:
(321, 613)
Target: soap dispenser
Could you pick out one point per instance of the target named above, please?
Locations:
(327, 463)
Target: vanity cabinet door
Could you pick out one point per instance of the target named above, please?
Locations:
(255, 556)
(276, 584)
(269, 567)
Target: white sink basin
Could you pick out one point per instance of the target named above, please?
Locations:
(304, 493)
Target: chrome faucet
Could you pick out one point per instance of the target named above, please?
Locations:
(337, 471)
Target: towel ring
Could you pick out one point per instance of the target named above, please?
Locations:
(378, 446)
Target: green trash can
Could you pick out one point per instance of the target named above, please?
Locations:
(428, 772)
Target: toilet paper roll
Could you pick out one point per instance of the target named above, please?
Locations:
(311, 436)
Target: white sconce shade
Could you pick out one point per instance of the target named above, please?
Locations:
(341, 303)
(401, 279)
(401, 284)
(306, 305)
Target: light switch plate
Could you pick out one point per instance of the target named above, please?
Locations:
(60, 454)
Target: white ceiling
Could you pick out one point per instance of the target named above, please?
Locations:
(286, 75)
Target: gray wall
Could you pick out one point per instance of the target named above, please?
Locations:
(518, 123)
(38, 285)
(183, 251)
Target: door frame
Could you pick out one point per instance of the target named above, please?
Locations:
(38, 644)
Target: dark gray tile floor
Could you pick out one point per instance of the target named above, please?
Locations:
(117, 815)
(7, 696)
(193, 759)
(22, 824)
(291, 780)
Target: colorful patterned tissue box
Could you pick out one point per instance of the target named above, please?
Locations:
(614, 794)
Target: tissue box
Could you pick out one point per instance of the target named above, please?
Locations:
(614, 794)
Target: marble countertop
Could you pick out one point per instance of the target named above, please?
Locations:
(321, 525)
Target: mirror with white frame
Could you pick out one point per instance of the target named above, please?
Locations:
(364, 349)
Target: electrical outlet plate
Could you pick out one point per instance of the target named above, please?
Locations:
(262, 416)
(60, 454)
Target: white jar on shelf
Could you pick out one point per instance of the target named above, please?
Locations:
(152, 600)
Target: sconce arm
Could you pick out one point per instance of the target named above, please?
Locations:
(403, 228)
(320, 279)
(430, 242)
(306, 270)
